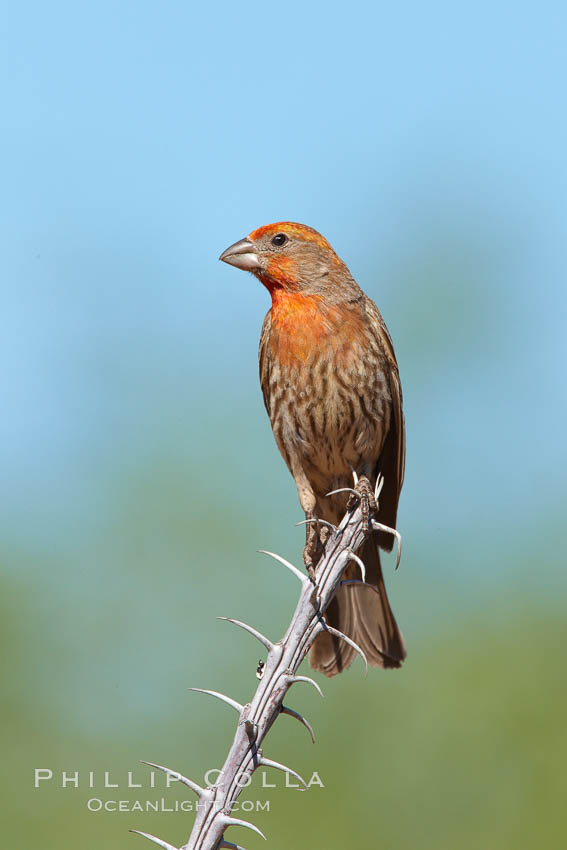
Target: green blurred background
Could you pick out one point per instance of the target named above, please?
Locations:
(427, 142)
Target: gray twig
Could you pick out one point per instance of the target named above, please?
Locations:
(279, 674)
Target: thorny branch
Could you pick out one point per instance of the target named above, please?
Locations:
(279, 674)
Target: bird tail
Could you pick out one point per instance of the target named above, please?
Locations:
(364, 616)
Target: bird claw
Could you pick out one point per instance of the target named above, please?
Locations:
(315, 540)
(366, 498)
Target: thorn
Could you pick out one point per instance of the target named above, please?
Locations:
(227, 820)
(236, 705)
(307, 679)
(200, 792)
(157, 841)
(348, 640)
(229, 845)
(262, 638)
(346, 582)
(378, 487)
(354, 475)
(285, 710)
(378, 526)
(275, 764)
(360, 562)
(344, 490)
(301, 576)
(321, 521)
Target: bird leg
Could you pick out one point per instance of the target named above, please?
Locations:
(365, 492)
(312, 550)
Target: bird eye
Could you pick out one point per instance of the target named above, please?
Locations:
(279, 240)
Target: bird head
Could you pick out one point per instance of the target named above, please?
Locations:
(291, 257)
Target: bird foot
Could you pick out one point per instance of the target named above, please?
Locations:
(313, 548)
(365, 496)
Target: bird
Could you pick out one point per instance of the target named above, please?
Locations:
(332, 391)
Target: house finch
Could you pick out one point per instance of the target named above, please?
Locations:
(332, 391)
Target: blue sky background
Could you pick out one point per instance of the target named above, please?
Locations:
(138, 140)
(427, 143)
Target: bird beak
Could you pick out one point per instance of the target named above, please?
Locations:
(243, 255)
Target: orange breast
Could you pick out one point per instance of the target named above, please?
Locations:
(304, 326)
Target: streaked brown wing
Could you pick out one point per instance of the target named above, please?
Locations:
(264, 360)
(391, 462)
